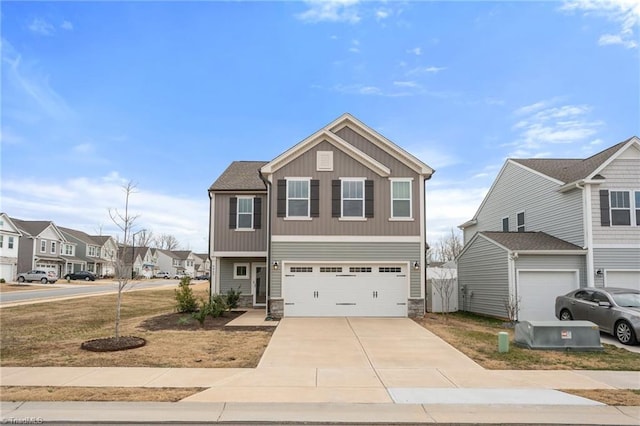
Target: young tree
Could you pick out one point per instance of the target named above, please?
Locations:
(444, 283)
(124, 221)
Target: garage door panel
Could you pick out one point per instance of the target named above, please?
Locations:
(537, 292)
(345, 290)
(624, 279)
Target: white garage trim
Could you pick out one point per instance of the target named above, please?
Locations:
(540, 305)
(626, 278)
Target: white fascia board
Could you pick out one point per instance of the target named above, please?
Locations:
(551, 252)
(15, 229)
(333, 139)
(633, 141)
(344, 239)
(382, 142)
(468, 224)
(239, 254)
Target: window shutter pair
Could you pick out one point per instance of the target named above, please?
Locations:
(336, 198)
(257, 213)
(314, 198)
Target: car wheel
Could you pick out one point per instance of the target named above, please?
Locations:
(565, 315)
(87, 278)
(44, 280)
(624, 333)
(20, 279)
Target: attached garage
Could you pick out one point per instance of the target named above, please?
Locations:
(537, 292)
(7, 271)
(342, 289)
(624, 279)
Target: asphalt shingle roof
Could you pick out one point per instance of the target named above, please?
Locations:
(524, 241)
(31, 227)
(82, 236)
(569, 170)
(240, 175)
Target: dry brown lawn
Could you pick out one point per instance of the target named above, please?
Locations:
(9, 287)
(50, 334)
(44, 393)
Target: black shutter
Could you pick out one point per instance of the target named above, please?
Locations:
(257, 213)
(368, 198)
(282, 197)
(233, 210)
(604, 208)
(315, 198)
(336, 198)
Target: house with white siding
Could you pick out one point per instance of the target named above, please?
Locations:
(9, 242)
(334, 226)
(548, 226)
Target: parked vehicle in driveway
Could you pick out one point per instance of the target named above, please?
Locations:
(38, 275)
(202, 277)
(615, 310)
(164, 275)
(80, 275)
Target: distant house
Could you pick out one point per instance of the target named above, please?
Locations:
(548, 226)
(107, 250)
(334, 226)
(9, 243)
(92, 253)
(187, 262)
(40, 246)
(202, 264)
(166, 261)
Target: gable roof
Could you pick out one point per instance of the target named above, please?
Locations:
(34, 228)
(328, 134)
(101, 239)
(13, 226)
(82, 236)
(240, 176)
(568, 170)
(182, 254)
(529, 241)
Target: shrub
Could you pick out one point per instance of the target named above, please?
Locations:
(201, 314)
(218, 306)
(185, 300)
(232, 298)
(2, 281)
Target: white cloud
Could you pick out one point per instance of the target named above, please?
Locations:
(382, 14)
(625, 13)
(430, 69)
(83, 149)
(448, 207)
(331, 11)
(415, 51)
(406, 84)
(83, 203)
(42, 27)
(355, 46)
(66, 25)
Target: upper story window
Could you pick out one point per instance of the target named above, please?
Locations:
(68, 249)
(619, 208)
(401, 198)
(298, 198)
(352, 197)
(520, 221)
(1, 241)
(93, 251)
(620, 203)
(53, 247)
(637, 200)
(43, 246)
(10, 243)
(505, 224)
(245, 213)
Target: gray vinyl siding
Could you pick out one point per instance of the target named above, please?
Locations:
(25, 254)
(345, 252)
(614, 258)
(483, 270)
(344, 166)
(546, 262)
(545, 209)
(231, 240)
(623, 174)
(227, 281)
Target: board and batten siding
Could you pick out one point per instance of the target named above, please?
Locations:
(344, 166)
(346, 252)
(551, 262)
(623, 174)
(615, 258)
(545, 208)
(231, 240)
(483, 271)
(227, 282)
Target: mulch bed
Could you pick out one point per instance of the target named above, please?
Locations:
(112, 344)
(184, 322)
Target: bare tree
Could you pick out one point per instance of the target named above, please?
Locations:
(144, 238)
(447, 248)
(124, 221)
(512, 306)
(444, 283)
(166, 242)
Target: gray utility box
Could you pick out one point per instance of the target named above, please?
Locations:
(559, 335)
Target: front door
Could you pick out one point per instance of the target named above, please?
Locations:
(259, 283)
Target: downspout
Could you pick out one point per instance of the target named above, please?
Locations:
(588, 231)
(209, 248)
(267, 183)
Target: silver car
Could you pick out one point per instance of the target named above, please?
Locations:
(615, 310)
(38, 275)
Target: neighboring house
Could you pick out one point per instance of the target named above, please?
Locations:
(9, 243)
(166, 261)
(143, 260)
(202, 264)
(87, 251)
(548, 226)
(187, 262)
(39, 246)
(334, 226)
(108, 247)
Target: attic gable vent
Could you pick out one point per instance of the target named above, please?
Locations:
(324, 161)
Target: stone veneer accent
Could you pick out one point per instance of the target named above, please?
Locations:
(245, 301)
(277, 308)
(416, 308)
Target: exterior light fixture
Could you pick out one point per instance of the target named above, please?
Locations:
(275, 265)
(416, 265)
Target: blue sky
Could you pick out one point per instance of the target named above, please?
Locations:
(167, 94)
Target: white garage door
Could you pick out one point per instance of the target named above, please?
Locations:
(624, 279)
(7, 272)
(537, 292)
(345, 290)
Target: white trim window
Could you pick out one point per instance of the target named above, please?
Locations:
(53, 247)
(68, 250)
(637, 206)
(298, 199)
(240, 271)
(244, 214)
(620, 207)
(1, 240)
(10, 243)
(401, 200)
(43, 246)
(520, 222)
(352, 197)
(505, 224)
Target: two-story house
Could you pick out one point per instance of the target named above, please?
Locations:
(9, 243)
(548, 226)
(87, 251)
(39, 246)
(333, 226)
(107, 250)
(187, 262)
